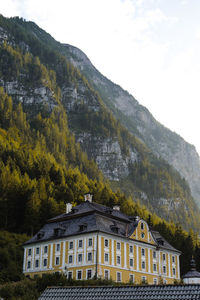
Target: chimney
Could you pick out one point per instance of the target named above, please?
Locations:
(88, 197)
(68, 208)
(116, 207)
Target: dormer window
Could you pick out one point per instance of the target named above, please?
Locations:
(82, 227)
(40, 235)
(74, 210)
(160, 241)
(114, 228)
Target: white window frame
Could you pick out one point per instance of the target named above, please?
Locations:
(120, 276)
(108, 272)
(72, 259)
(37, 260)
(90, 240)
(87, 274)
(130, 247)
(71, 272)
(155, 281)
(71, 243)
(144, 278)
(28, 264)
(89, 260)
(80, 255)
(29, 251)
(58, 247)
(77, 271)
(106, 255)
(118, 246)
(154, 254)
(57, 257)
(45, 259)
(133, 278)
(37, 251)
(143, 265)
(118, 258)
(80, 242)
(131, 262)
(142, 251)
(106, 242)
(45, 249)
(164, 257)
(155, 269)
(164, 270)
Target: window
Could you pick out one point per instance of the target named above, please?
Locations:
(57, 260)
(143, 265)
(29, 265)
(70, 259)
(154, 267)
(45, 249)
(142, 226)
(143, 252)
(131, 249)
(131, 278)
(57, 247)
(89, 256)
(131, 262)
(80, 243)
(173, 259)
(80, 258)
(154, 254)
(118, 260)
(37, 263)
(142, 235)
(144, 279)
(90, 243)
(106, 274)
(164, 269)
(79, 275)
(71, 245)
(165, 281)
(106, 243)
(119, 277)
(118, 246)
(164, 257)
(29, 252)
(45, 262)
(174, 271)
(106, 257)
(69, 276)
(155, 281)
(89, 274)
(37, 251)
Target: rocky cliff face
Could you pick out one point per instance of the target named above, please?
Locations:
(163, 142)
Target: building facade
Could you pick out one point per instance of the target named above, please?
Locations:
(93, 240)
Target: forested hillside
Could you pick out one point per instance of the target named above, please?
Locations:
(36, 74)
(58, 141)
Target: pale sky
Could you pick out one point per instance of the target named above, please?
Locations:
(151, 48)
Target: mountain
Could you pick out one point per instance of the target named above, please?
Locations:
(60, 111)
(139, 121)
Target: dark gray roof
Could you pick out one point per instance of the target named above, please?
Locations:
(193, 273)
(150, 292)
(91, 217)
(163, 244)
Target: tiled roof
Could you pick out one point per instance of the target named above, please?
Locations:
(150, 292)
(163, 244)
(91, 217)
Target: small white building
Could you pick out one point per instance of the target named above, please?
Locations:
(193, 276)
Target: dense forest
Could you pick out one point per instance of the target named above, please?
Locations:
(42, 166)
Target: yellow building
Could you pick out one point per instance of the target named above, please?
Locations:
(93, 240)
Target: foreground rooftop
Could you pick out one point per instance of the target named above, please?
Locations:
(150, 292)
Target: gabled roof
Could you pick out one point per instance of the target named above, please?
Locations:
(90, 217)
(150, 292)
(162, 243)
